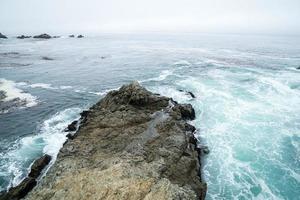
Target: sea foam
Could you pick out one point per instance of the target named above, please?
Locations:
(48, 140)
(15, 97)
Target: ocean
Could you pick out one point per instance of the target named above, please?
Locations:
(247, 103)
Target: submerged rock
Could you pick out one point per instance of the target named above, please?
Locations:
(21, 190)
(8, 106)
(80, 36)
(23, 37)
(42, 36)
(47, 58)
(205, 150)
(2, 36)
(2, 95)
(188, 93)
(132, 144)
(191, 94)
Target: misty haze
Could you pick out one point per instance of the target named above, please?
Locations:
(153, 100)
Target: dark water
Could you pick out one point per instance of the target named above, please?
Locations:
(247, 100)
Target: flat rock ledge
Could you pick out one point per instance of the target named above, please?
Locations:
(131, 145)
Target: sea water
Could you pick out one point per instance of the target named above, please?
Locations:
(247, 101)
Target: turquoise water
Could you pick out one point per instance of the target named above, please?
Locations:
(247, 100)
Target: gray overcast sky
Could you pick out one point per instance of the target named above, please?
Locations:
(231, 16)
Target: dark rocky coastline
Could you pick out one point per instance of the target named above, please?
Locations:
(132, 144)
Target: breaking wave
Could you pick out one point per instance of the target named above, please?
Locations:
(12, 97)
(49, 139)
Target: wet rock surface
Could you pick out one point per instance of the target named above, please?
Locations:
(39, 165)
(132, 144)
(72, 126)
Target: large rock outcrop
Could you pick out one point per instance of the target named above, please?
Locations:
(133, 145)
(42, 36)
(2, 36)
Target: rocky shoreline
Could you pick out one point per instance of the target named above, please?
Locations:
(132, 144)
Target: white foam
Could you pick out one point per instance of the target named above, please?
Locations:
(162, 76)
(244, 125)
(182, 63)
(13, 93)
(78, 91)
(52, 130)
(104, 92)
(42, 85)
(48, 140)
(64, 87)
(171, 92)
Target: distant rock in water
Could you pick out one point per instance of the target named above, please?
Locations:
(8, 106)
(47, 58)
(42, 36)
(2, 36)
(132, 144)
(56, 36)
(71, 36)
(23, 37)
(2, 95)
(21, 190)
(298, 67)
(80, 36)
(188, 93)
(12, 53)
(192, 94)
